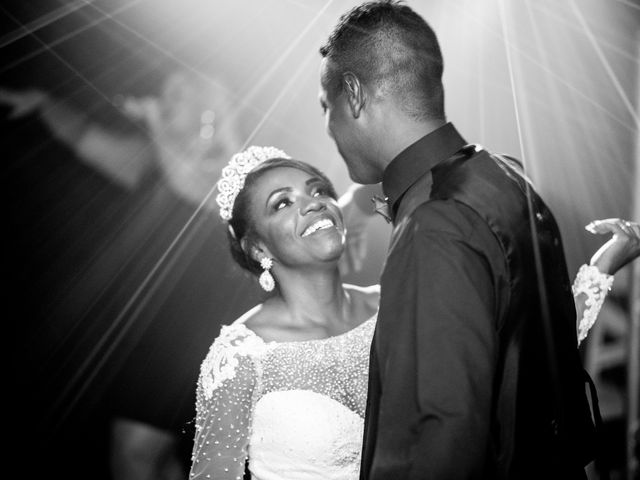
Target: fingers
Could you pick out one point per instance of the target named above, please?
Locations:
(627, 227)
(635, 228)
(613, 225)
(604, 226)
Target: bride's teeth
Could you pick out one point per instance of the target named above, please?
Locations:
(319, 225)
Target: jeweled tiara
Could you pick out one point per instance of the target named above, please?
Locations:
(235, 173)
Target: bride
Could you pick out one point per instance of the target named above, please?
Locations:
(283, 389)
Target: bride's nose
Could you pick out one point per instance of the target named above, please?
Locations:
(312, 204)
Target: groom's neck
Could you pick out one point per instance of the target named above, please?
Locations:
(405, 131)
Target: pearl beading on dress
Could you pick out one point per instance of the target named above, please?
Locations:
(240, 369)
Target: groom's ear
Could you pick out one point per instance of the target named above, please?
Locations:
(354, 92)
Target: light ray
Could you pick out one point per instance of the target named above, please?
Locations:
(43, 21)
(153, 279)
(64, 38)
(92, 85)
(277, 100)
(508, 49)
(523, 54)
(159, 48)
(482, 111)
(572, 26)
(134, 306)
(67, 64)
(606, 65)
(545, 56)
(544, 305)
(629, 4)
(241, 100)
(274, 67)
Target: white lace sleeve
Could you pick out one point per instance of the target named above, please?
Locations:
(590, 289)
(224, 404)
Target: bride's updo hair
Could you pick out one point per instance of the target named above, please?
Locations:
(241, 223)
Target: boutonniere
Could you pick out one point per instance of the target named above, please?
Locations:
(381, 206)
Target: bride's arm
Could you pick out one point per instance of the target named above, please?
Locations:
(594, 281)
(224, 406)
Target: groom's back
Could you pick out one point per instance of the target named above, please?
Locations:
(541, 425)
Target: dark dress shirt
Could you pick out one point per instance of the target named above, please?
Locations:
(458, 355)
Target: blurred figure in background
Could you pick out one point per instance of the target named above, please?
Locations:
(127, 313)
(187, 131)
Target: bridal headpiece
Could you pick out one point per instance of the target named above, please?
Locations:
(235, 173)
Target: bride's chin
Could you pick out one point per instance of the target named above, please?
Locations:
(332, 256)
(337, 250)
(327, 249)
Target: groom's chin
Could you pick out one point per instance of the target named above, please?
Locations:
(364, 178)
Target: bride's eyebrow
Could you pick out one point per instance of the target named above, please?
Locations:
(277, 191)
(310, 181)
(314, 180)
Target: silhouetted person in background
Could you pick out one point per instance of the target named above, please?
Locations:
(118, 270)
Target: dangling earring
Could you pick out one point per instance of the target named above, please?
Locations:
(266, 279)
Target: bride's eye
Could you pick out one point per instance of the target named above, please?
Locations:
(321, 191)
(282, 203)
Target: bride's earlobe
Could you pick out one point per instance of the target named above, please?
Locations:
(250, 250)
(254, 250)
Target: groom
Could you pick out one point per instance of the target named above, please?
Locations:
(474, 368)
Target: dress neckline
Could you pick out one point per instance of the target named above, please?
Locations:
(273, 343)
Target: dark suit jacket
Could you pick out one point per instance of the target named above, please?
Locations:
(475, 371)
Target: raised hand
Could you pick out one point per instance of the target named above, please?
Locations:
(22, 102)
(622, 248)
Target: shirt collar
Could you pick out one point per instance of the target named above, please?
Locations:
(418, 159)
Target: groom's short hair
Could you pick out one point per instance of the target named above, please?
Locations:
(389, 46)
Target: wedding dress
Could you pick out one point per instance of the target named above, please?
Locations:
(295, 409)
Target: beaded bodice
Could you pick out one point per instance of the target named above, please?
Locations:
(334, 367)
(292, 408)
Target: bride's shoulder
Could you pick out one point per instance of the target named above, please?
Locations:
(263, 321)
(239, 333)
(237, 347)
